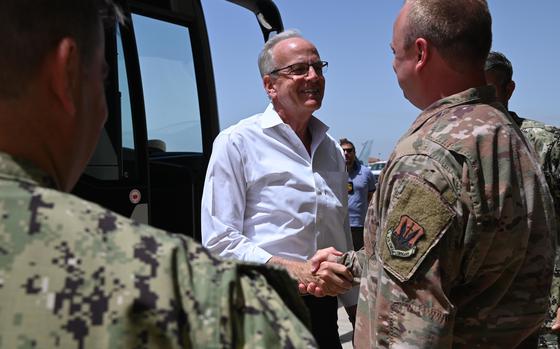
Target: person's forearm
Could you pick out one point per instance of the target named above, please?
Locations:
(354, 261)
(300, 271)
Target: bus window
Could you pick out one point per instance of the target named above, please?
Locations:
(169, 84)
(126, 112)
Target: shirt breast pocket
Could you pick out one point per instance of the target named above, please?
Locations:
(333, 187)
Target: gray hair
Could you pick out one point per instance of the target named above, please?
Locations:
(29, 29)
(461, 30)
(266, 58)
(498, 62)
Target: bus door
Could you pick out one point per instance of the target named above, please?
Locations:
(152, 156)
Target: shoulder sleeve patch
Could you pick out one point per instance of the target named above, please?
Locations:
(417, 219)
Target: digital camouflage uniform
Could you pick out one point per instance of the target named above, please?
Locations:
(459, 241)
(75, 275)
(545, 140)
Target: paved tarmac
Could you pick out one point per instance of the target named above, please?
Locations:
(344, 328)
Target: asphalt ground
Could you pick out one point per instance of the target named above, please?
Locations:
(344, 328)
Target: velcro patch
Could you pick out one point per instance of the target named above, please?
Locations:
(417, 219)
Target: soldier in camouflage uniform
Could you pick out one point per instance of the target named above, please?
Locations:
(545, 140)
(459, 240)
(75, 275)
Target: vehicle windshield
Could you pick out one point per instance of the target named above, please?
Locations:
(377, 167)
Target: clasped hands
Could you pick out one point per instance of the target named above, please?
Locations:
(324, 275)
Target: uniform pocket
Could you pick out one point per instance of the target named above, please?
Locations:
(414, 325)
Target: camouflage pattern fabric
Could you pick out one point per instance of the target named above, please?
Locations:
(75, 275)
(545, 140)
(459, 238)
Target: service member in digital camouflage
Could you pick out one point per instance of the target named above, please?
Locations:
(545, 140)
(75, 275)
(459, 244)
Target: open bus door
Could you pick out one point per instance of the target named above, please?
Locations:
(152, 156)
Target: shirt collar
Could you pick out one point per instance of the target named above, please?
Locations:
(483, 94)
(518, 120)
(270, 118)
(21, 170)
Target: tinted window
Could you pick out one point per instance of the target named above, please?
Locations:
(126, 113)
(169, 83)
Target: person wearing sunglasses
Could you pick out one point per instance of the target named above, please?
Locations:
(275, 188)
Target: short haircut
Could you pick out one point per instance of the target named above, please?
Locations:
(498, 63)
(266, 58)
(30, 29)
(461, 30)
(346, 141)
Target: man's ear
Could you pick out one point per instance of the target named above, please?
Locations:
(510, 87)
(422, 51)
(64, 74)
(269, 87)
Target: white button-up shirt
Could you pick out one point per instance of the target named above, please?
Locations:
(264, 195)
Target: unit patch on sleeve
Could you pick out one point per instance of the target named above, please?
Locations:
(416, 220)
(402, 240)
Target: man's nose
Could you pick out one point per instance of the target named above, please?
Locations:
(311, 73)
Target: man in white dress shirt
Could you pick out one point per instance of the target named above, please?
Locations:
(275, 189)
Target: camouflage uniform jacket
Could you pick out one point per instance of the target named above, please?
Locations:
(545, 140)
(459, 242)
(75, 275)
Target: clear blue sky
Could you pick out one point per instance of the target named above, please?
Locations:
(362, 99)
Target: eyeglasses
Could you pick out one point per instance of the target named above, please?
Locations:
(348, 150)
(302, 69)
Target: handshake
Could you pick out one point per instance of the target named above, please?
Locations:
(323, 275)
